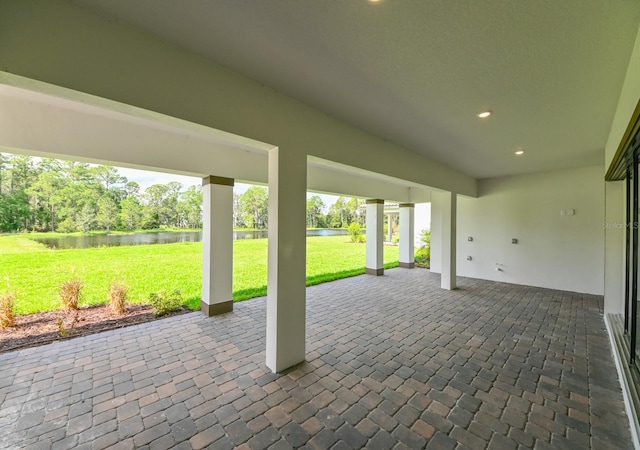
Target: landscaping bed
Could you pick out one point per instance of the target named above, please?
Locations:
(42, 328)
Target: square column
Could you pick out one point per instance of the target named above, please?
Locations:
(375, 236)
(286, 285)
(447, 203)
(217, 245)
(407, 253)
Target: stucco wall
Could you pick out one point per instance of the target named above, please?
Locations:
(555, 251)
(629, 97)
(615, 200)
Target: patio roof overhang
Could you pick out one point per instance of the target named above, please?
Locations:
(49, 121)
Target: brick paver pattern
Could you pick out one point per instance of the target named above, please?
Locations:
(392, 362)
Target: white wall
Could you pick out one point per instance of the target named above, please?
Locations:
(421, 221)
(553, 251)
(614, 263)
(629, 96)
(615, 202)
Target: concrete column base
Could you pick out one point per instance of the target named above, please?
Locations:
(376, 272)
(217, 308)
(405, 265)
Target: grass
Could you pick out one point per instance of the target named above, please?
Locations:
(35, 273)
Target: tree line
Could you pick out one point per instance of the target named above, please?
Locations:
(65, 196)
(250, 210)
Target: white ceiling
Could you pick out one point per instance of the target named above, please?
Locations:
(416, 72)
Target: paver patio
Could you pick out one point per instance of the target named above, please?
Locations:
(392, 362)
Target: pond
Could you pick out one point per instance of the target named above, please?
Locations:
(115, 240)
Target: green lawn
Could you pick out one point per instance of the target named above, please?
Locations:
(34, 273)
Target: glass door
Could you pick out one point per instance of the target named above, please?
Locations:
(635, 311)
(632, 243)
(628, 243)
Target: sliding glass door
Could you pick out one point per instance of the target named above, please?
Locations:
(632, 265)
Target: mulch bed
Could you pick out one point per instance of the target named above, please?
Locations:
(43, 328)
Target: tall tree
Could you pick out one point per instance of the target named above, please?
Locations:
(130, 213)
(190, 207)
(338, 214)
(107, 212)
(356, 213)
(45, 195)
(4, 160)
(315, 211)
(86, 219)
(21, 174)
(81, 193)
(238, 222)
(132, 189)
(345, 211)
(108, 177)
(154, 214)
(170, 210)
(48, 194)
(254, 207)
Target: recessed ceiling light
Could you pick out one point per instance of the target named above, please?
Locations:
(484, 114)
(519, 152)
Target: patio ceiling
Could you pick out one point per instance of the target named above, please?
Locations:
(73, 125)
(417, 72)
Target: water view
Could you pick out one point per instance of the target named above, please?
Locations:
(100, 240)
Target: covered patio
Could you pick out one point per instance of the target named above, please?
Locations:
(517, 122)
(392, 362)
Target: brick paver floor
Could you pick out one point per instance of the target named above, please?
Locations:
(392, 362)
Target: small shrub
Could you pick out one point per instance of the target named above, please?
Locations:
(423, 257)
(164, 302)
(425, 238)
(6, 310)
(355, 232)
(423, 254)
(62, 331)
(70, 294)
(118, 297)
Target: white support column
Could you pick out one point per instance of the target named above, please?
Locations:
(389, 228)
(217, 245)
(407, 254)
(448, 242)
(286, 285)
(375, 236)
(436, 233)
